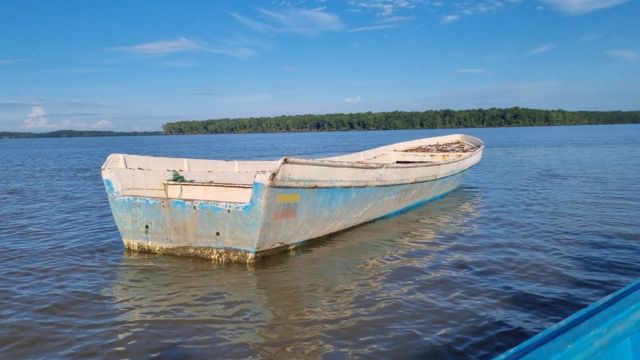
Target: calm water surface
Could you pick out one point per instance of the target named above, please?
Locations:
(546, 224)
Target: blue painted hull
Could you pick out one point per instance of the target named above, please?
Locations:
(608, 329)
(276, 218)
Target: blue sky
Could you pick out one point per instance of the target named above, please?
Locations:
(133, 65)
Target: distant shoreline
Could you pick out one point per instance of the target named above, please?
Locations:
(394, 120)
(74, 134)
(403, 120)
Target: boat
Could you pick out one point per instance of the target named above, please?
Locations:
(242, 211)
(607, 329)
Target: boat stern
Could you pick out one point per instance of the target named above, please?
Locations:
(167, 221)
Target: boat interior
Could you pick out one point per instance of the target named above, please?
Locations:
(232, 181)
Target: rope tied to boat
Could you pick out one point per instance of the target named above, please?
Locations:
(177, 177)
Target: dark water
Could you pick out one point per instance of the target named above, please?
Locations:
(546, 224)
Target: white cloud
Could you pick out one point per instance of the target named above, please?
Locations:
(352, 100)
(474, 71)
(387, 8)
(624, 54)
(540, 49)
(255, 25)
(383, 8)
(481, 7)
(449, 19)
(469, 8)
(301, 21)
(182, 44)
(162, 47)
(451, 11)
(395, 19)
(239, 52)
(36, 119)
(370, 28)
(578, 7)
(448, 11)
(310, 20)
(102, 124)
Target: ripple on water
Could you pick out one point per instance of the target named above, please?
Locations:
(545, 225)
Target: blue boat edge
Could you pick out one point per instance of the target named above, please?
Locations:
(606, 329)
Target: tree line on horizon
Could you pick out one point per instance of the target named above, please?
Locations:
(73, 133)
(396, 120)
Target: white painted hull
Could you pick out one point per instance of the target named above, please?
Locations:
(225, 217)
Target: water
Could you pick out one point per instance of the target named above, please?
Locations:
(545, 225)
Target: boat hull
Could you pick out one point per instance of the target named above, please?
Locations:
(244, 210)
(274, 220)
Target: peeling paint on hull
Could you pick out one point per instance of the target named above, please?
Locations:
(245, 234)
(242, 211)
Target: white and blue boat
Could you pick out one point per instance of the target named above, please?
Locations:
(244, 210)
(607, 329)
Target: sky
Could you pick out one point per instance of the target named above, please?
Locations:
(134, 65)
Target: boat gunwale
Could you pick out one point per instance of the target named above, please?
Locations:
(418, 181)
(269, 177)
(205, 183)
(274, 186)
(373, 165)
(327, 161)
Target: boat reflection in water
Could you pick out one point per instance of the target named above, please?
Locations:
(328, 298)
